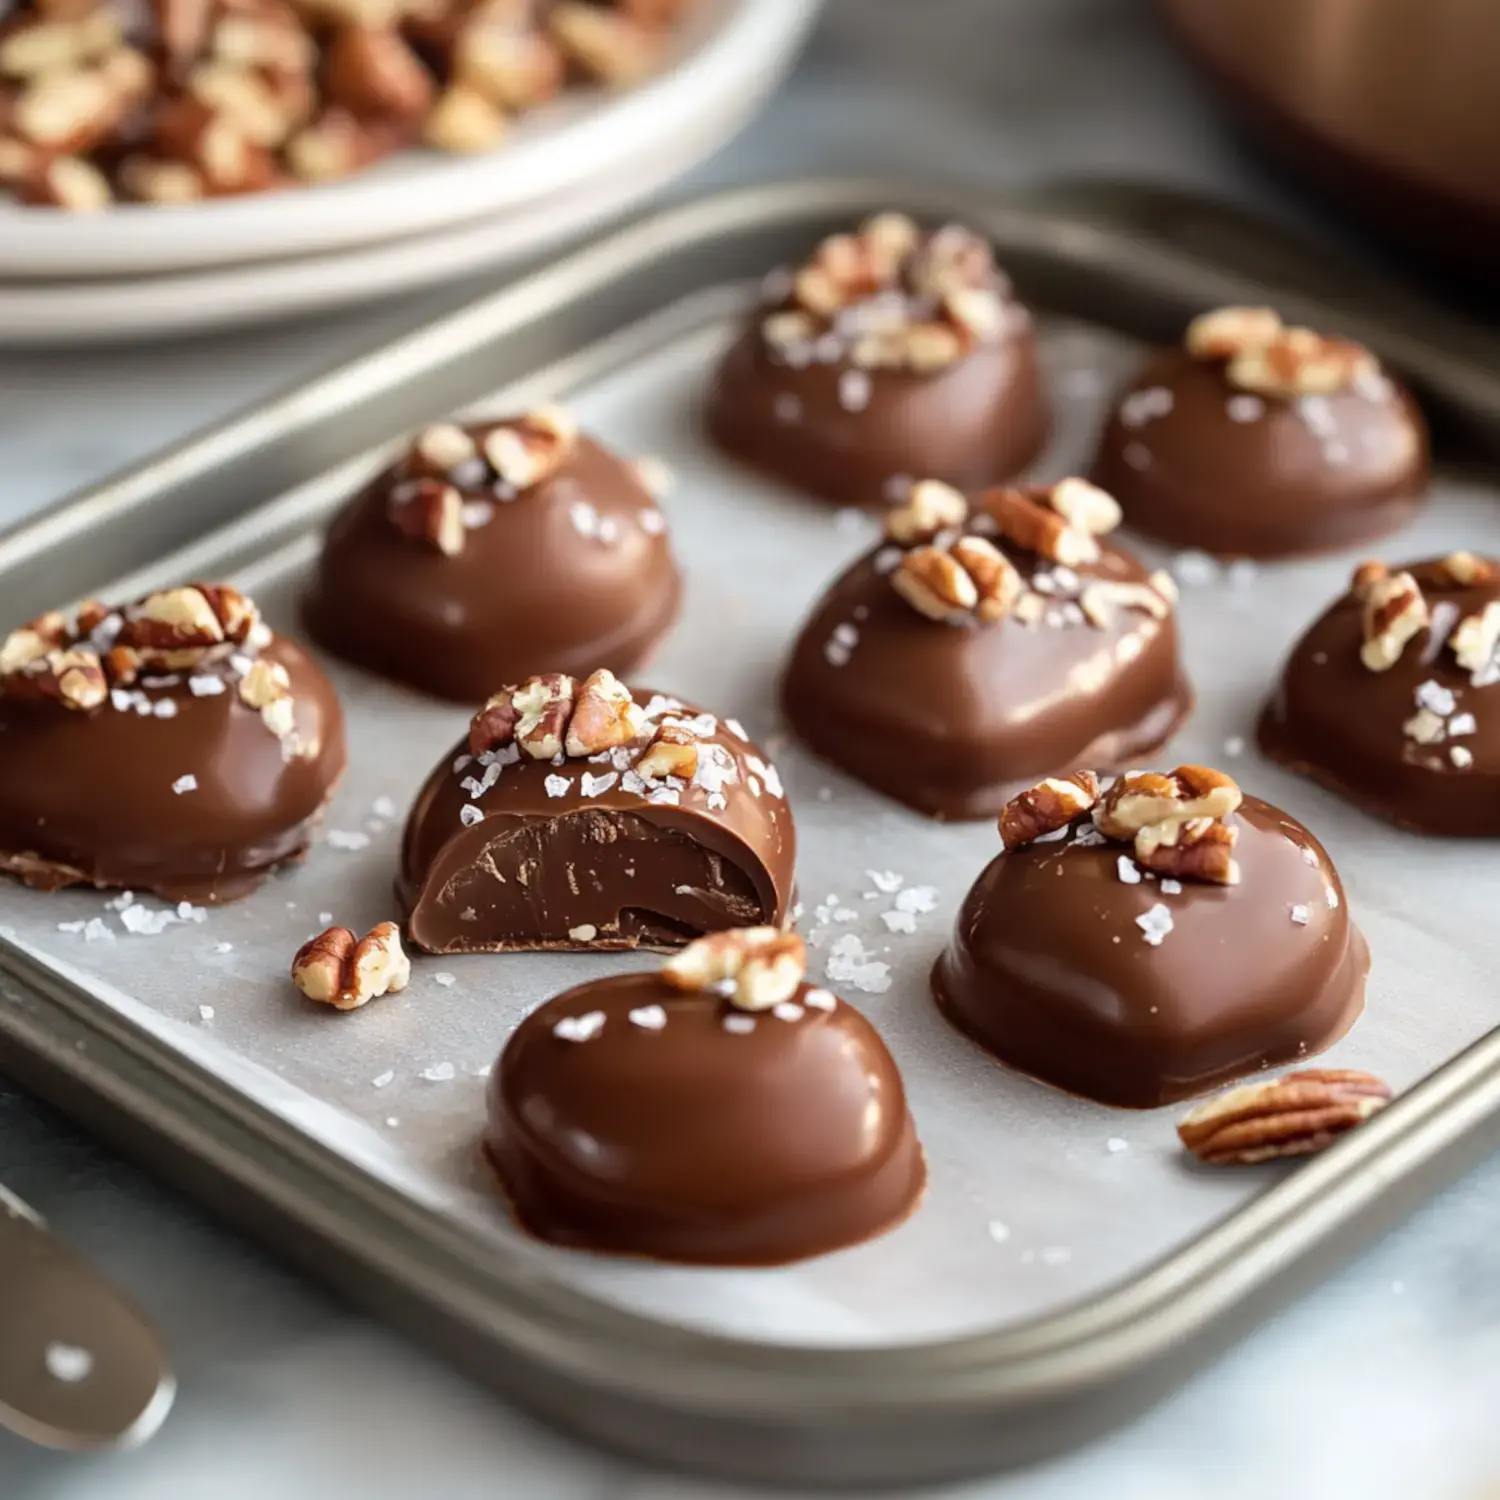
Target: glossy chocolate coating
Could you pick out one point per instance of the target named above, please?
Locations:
(949, 718)
(1243, 475)
(978, 422)
(89, 795)
(531, 591)
(1333, 719)
(1048, 970)
(705, 1145)
(564, 869)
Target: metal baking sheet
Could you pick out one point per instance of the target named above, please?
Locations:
(1037, 1202)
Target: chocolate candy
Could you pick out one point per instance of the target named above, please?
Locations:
(1179, 937)
(1386, 699)
(574, 817)
(891, 354)
(989, 641)
(643, 1115)
(175, 746)
(1258, 440)
(493, 551)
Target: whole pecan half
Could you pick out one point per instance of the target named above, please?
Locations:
(1297, 1114)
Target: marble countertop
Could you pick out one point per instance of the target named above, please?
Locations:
(1380, 1385)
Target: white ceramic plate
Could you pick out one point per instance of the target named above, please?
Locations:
(729, 46)
(60, 315)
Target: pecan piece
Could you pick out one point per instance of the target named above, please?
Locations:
(336, 969)
(673, 751)
(604, 715)
(996, 582)
(609, 47)
(1199, 849)
(755, 968)
(465, 122)
(1465, 568)
(545, 705)
(935, 583)
(1046, 807)
(267, 686)
(1297, 1114)
(1084, 506)
(443, 446)
(1394, 611)
(1101, 597)
(33, 641)
(532, 448)
(176, 627)
(427, 510)
(930, 507)
(1474, 642)
(74, 676)
(1146, 798)
(1226, 331)
(1299, 362)
(494, 726)
(1026, 518)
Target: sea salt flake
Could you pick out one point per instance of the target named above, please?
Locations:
(469, 815)
(1233, 746)
(848, 963)
(383, 1080)
(835, 654)
(557, 786)
(1116, 1144)
(186, 783)
(203, 686)
(1245, 408)
(1128, 871)
(441, 1072)
(820, 999)
(786, 408)
(462, 763)
(917, 898)
(1141, 407)
(1300, 915)
(1087, 836)
(1434, 696)
(887, 882)
(594, 786)
(767, 773)
(477, 513)
(788, 1011)
(579, 1028)
(669, 796)
(95, 931)
(223, 947)
(998, 1232)
(584, 517)
(899, 921)
(854, 390)
(205, 1012)
(1462, 724)
(68, 1363)
(165, 708)
(1155, 924)
(1241, 573)
(347, 839)
(72, 926)
(145, 922)
(648, 1017)
(1193, 569)
(739, 1025)
(1461, 756)
(445, 979)
(1171, 887)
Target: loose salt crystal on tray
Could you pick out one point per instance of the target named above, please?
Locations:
(142, 921)
(1233, 746)
(998, 1232)
(347, 839)
(1194, 569)
(1242, 573)
(440, 1072)
(325, 917)
(888, 882)
(223, 947)
(381, 1080)
(186, 783)
(1115, 1144)
(1155, 924)
(917, 898)
(206, 1012)
(445, 979)
(187, 912)
(383, 807)
(95, 931)
(848, 963)
(68, 1363)
(72, 926)
(899, 921)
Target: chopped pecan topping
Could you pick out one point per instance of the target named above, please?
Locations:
(532, 448)
(33, 641)
(72, 676)
(444, 446)
(180, 627)
(1084, 506)
(1046, 807)
(1394, 611)
(755, 968)
(544, 705)
(267, 686)
(1297, 1114)
(997, 584)
(604, 715)
(1474, 643)
(1465, 568)
(892, 296)
(1143, 799)
(673, 751)
(972, 577)
(336, 969)
(1027, 518)
(1198, 849)
(428, 510)
(930, 507)
(1228, 331)
(494, 726)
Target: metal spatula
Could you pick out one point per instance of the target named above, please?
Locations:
(79, 1366)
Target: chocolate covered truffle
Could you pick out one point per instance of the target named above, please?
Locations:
(720, 1111)
(177, 745)
(990, 640)
(891, 354)
(1390, 698)
(493, 551)
(575, 817)
(1253, 439)
(1146, 943)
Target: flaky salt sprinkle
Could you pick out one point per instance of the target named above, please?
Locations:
(788, 1011)
(820, 999)
(1434, 696)
(185, 783)
(347, 839)
(205, 686)
(1170, 887)
(786, 408)
(469, 815)
(1245, 408)
(1461, 756)
(899, 921)
(887, 882)
(95, 931)
(445, 979)
(144, 922)
(1141, 407)
(1128, 872)
(443, 1072)
(854, 390)
(648, 1017)
(1115, 1144)
(1155, 924)
(582, 1028)
(557, 786)
(739, 1025)
(998, 1232)
(594, 786)
(835, 654)
(584, 517)
(1462, 724)
(383, 1080)
(1300, 915)
(223, 947)
(917, 898)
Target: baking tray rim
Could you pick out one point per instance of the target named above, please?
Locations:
(596, 1347)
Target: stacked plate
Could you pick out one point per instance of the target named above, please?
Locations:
(135, 272)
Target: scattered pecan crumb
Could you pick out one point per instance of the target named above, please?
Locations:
(1394, 611)
(336, 969)
(1474, 641)
(428, 510)
(673, 751)
(930, 507)
(1297, 1114)
(1465, 568)
(1049, 805)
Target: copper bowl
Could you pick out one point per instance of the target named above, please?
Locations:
(1392, 106)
